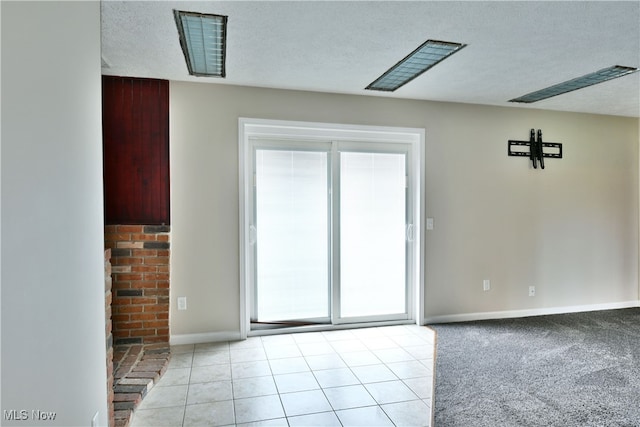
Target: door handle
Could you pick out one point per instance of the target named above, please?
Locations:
(410, 232)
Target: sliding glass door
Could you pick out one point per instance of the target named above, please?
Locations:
(292, 236)
(373, 218)
(330, 232)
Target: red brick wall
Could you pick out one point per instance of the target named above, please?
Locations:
(140, 270)
(109, 335)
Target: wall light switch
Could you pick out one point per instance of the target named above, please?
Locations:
(182, 303)
(486, 284)
(429, 223)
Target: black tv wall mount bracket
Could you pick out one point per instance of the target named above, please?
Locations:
(536, 151)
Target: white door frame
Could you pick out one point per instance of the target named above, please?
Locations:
(249, 128)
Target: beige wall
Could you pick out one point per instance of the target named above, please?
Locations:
(52, 313)
(570, 230)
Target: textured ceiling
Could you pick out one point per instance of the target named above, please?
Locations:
(513, 47)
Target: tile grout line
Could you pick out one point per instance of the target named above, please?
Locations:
(186, 400)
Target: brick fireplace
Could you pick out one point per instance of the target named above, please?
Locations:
(137, 314)
(135, 130)
(140, 272)
(108, 332)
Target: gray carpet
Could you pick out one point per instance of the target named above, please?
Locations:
(580, 369)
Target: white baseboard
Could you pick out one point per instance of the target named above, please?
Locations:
(204, 337)
(447, 318)
(467, 317)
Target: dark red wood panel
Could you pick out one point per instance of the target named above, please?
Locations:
(135, 125)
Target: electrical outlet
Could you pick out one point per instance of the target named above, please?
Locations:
(532, 291)
(182, 303)
(429, 223)
(486, 284)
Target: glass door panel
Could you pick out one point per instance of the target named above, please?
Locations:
(372, 243)
(292, 235)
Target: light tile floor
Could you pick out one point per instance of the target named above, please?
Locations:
(379, 376)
